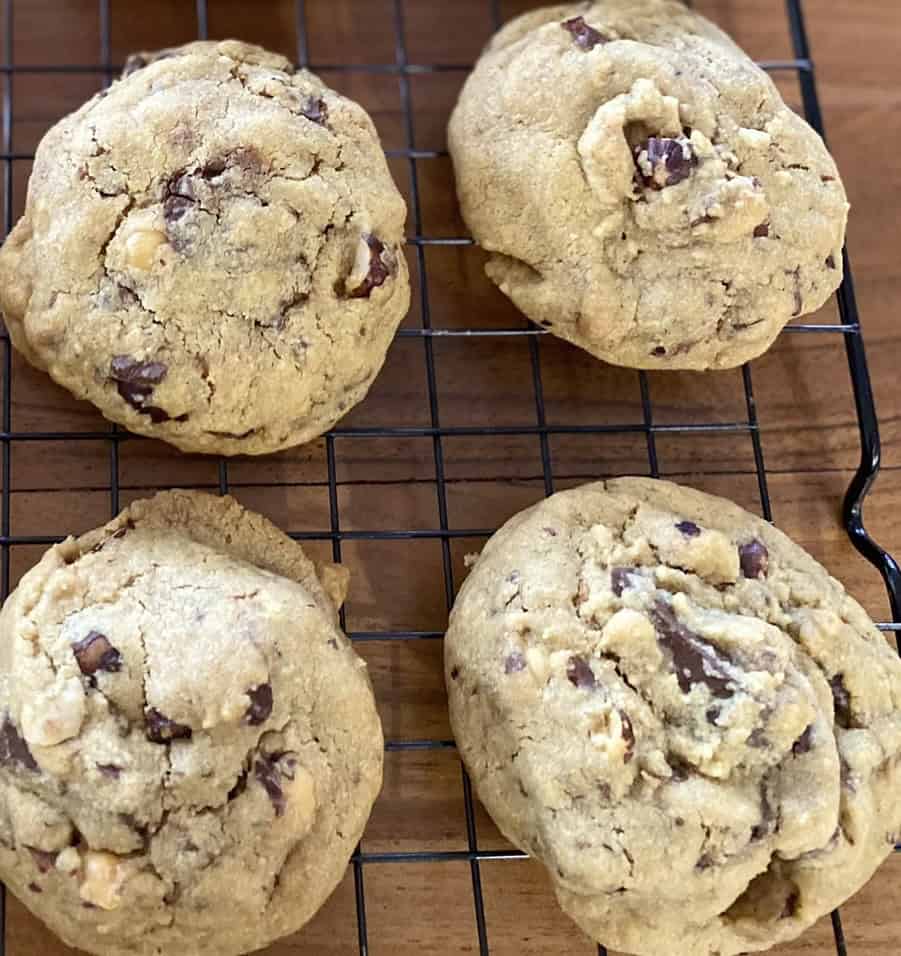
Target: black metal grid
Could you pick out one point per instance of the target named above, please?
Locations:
(848, 328)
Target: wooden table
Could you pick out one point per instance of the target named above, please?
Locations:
(808, 426)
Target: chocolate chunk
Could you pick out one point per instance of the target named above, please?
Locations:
(161, 730)
(124, 368)
(133, 394)
(670, 160)
(43, 860)
(35, 888)
(762, 231)
(712, 714)
(830, 262)
(13, 749)
(175, 207)
(842, 700)
(659, 351)
(95, 653)
(287, 764)
(514, 663)
(621, 579)
(580, 674)
(266, 770)
(688, 528)
(214, 168)
(378, 269)
(628, 736)
(676, 158)
(110, 770)
(754, 559)
(695, 660)
(584, 36)
(804, 743)
(136, 380)
(316, 110)
(260, 704)
(183, 185)
(455, 673)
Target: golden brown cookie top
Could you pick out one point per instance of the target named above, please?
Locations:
(680, 713)
(185, 731)
(641, 188)
(211, 252)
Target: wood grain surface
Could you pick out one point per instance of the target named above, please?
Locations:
(804, 400)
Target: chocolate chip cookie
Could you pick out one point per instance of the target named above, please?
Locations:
(680, 713)
(211, 252)
(189, 745)
(641, 188)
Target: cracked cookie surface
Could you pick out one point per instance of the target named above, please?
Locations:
(680, 713)
(641, 188)
(189, 748)
(211, 252)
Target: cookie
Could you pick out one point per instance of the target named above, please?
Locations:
(680, 713)
(641, 188)
(211, 252)
(189, 746)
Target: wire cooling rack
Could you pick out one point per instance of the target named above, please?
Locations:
(428, 334)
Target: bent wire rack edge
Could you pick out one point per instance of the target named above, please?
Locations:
(849, 328)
